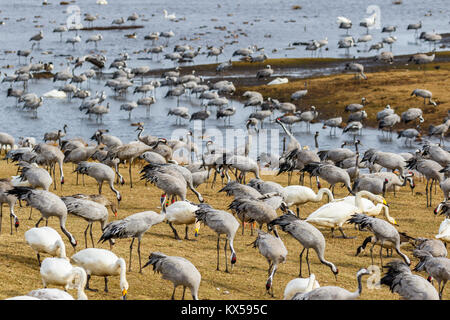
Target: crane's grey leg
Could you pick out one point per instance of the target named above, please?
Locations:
(173, 293)
(31, 210)
(371, 250)
(307, 261)
(426, 188)
(226, 260)
(100, 187)
(39, 259)
(184, 290)
(139, 255)
(131, 248)
(92, 238)
(39, 221)
(301, 254)
(381, 251)
(218, 240)
(85, 235)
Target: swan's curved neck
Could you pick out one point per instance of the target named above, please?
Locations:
(62, 249)
(81, 283)
(123, 272)
(312, 279)
(321, 192)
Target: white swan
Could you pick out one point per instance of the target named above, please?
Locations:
(444, 231)
(59, 271)
(102, 2)
(300, 285)
(278, 81)
(335, 214)
(182, 212)
(369, 208)
(45, 240)
(341, 19)
(55, 94)
(170, 17)
(298, 195)
(44, 294)
(104, 263)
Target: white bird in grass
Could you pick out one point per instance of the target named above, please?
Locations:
(59, 271)
(45, 240)
(335, 214)
(103, 263)
(300, 285)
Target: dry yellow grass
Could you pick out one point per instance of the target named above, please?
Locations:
(19, 270)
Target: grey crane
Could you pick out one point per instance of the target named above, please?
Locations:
(49, 205)
(134, 226)
(422, 58)
(36, 177)
(129, 106)
(179, 112)
(385, 112)
(264, 73)
(425, 94)
(357, 116)
(129, 152)
(254, 210)
(242, 164)
(237, 190)
(267, 187)
(333, 292)
(439, 130)
(404, 240)
(374, 185)
(434, 246)
(388, 123)
(354, 127)
(388, 160)
(412, 114)
(415, 27)
(38, 37)
(100, 172)
(220, 222)
(436, 267)
(226, 112)
(79, 154)
(56, 135)
(275, 252)
(88, 210)
(382, 230)
(338, 154)
(333, 123)
(357, 68)
(176, 170)
(50, 155)
(309, 236)
(430, 169)
(409, 134)
(5, 186)
(437, 154)
(409, 286)
(172, 185)
(330, 173)
(178, 270)
(297, 95)
(308, 116)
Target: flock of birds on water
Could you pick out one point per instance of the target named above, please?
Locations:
(255, 201)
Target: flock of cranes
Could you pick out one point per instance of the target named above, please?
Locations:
(257, 201)
(254, 201)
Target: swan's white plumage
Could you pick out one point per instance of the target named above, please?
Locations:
(444, 231)
(46, 240)
(299, 285)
